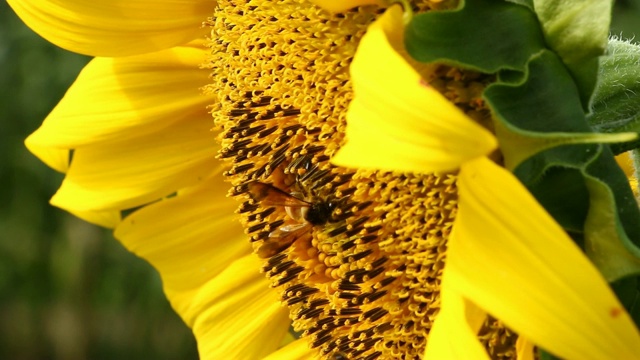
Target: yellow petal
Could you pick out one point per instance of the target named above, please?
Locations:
(460, 317)
(508, 256)
(297, 350)
(343, 5)
(398, 122)
(189, 238)
(200, 251)
(117, 27)
(239, 316)
(129, 173)
(123, 98)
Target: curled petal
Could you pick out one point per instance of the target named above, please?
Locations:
(397, 121)
(508, 256)
(117, 27)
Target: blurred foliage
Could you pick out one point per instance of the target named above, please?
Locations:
(68, 290)
(626, 19)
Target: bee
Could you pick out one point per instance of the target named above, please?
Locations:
(306, 215)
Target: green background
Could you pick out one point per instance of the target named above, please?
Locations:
(68, 290)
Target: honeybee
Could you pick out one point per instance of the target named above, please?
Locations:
(306, 214)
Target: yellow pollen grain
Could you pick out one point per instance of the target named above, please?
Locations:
(364, 284)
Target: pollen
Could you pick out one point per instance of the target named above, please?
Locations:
(364, 284)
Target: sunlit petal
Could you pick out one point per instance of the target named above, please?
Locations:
(190, 238)
(130, 173)
(237, 315)
(115, 28)
(398, 122)
(118, 99)
(508, 256)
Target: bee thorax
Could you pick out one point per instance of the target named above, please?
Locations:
(319, 213)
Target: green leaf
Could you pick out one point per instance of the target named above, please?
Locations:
(532, 111)
(544, 355)
(605, 169)
(634, 308)
(611, 229)
(484, 35)
(606, 242)
(577, 31)
(627, 291)
(564, 195)
(615, 106)
(539, 104)
(544, 100)
(527, 3)
(522, 144)
(581, 186)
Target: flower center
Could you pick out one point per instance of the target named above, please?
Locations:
(356, 255)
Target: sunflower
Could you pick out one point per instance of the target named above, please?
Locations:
(377, 210)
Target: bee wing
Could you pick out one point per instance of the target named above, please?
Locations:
(270, 195)
(287, 230)
(282, 238)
